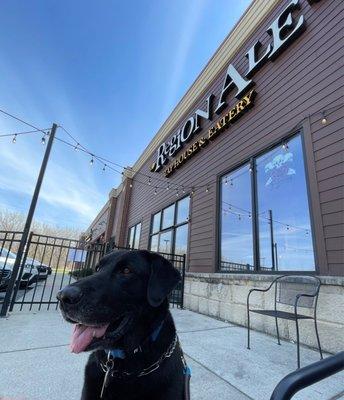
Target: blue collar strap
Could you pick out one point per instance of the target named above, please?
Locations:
(119, 353)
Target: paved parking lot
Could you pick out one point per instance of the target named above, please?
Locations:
(43, 291)
(37, 365)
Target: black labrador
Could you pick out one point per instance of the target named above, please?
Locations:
(121, 313)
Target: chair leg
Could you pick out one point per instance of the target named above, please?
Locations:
(278, 336)
(297, 342)
(248, 329)
(318, 339)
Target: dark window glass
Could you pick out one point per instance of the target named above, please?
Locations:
(137, 236)
(183, 210)
(134, 236)
(156, 222)
(181, 239)
(168, 217)
(285, 240)
(236, 221)
(154, 245)
(165, 243)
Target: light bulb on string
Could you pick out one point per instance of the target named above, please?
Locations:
(168, 187)
(131, 185)
(91, 160)
(104, 167)
(43, 140)
(231, 182)
(76, 147)
(207, 190)
(324, 119)
(149, 181)
(183, 189)
(155, 191)
(192, 192)
(177, 193)
(285, 146)
(226, 180)
(14, 140)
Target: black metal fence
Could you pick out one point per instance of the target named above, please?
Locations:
(50, 263)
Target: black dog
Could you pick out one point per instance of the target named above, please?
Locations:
(122, 313)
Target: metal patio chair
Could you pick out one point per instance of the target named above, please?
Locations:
(292, 290)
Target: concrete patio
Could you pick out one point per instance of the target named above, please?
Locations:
(35, 362)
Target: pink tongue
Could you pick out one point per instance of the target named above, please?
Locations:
(83, 335)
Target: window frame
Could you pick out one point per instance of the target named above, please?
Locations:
(172, 227)
(254, 207)
(134, 236)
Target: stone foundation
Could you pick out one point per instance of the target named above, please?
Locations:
(224, 296)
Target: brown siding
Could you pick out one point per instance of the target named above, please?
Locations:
(306, 78)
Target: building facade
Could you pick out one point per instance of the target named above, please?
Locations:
(246, 175)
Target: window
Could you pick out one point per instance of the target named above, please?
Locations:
(276, 223)
(134, 236)
(169, 233)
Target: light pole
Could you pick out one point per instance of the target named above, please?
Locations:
(27, 225)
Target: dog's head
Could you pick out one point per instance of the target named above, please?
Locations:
(104, 305)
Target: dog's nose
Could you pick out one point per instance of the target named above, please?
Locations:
(69, 295)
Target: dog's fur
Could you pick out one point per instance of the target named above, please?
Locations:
(141, 294)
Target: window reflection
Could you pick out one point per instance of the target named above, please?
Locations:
(181, 241)
(183, 210)
(236, 221)
(168, 217)
(154, 245)
(165, 245)
(156, 222)
(285, 240)
(134, 236)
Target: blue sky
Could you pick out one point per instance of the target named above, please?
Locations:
(110, 72)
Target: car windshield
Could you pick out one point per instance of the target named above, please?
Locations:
(7, 253)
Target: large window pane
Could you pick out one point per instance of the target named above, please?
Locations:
(168, 217)
(236, 221)
(285, 238)
(181, 240)
(183, 210)
(156, 222)
(165, 243)
(137, 236)
(154, 245)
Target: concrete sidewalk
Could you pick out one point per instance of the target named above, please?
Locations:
(35, 363)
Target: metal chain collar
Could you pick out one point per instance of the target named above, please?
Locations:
(109, 364)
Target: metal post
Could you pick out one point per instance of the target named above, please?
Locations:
(272, 240)
(28, 222)
(276, 256)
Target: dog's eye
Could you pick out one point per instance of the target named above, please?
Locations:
(126, 271)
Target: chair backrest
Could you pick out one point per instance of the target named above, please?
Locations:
(289, 286)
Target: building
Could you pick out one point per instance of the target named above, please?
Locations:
(246, 174)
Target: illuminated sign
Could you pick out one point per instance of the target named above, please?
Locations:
(283, 31)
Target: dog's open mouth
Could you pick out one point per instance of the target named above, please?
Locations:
(89, 337)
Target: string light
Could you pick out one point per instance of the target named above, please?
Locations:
(14, 140)
(155, 191)
(207, 189)
(183, 190)
(285, 146)
(43, 140)
(91, 160)
(324, 119)
(104, 167)
(76, 147)
(177, 193)
(149, 181)
(168, 187)
(226, 180)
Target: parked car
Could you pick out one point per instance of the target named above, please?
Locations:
(43, 269)
(30, 272)
(5, 275)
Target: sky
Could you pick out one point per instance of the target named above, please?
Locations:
(110, 72)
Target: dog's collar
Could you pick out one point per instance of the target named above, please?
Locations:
(119, 353)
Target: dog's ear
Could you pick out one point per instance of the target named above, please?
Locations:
(163, 279)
